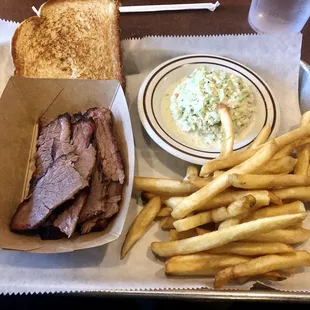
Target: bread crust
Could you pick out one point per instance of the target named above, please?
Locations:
(87, 45)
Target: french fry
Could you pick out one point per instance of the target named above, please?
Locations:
(282, 165)
(262, 198)
(201, 231)
(221, 237)
(290, 208)
(293, 193)
(227, 128)
(222, 182)
(225, 162)
(293, 135)
(237, 207)
(164, 187)
(217, 173)
(201, 264)
(255, 181)
(303, 154)
(141, 224)
(262, 265)
(240, 156)
(229, 223)
(146, 196)
(261, 137)
(252, 249)
(175, 235)
(289, 149)
(303, 157)
(164, 212)
(271, 276)
(167, 223)
(191, 172)
(287, 236)
(200, 182)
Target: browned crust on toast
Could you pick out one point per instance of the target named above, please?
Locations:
(109, 64)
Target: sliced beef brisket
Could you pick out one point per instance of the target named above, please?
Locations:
(53, 141)
(111, 207)
(74, 183)
(96, 200)
(67, 220)
(95, 224)
(111, 161)
(83, 130)
(60, 183)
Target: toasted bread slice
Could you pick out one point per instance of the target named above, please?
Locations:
(70, 39)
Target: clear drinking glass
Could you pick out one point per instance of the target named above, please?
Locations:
(276, 16)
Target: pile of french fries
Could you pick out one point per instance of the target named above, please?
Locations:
(238, 217)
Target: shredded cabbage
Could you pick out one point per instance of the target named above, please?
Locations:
(194, 101)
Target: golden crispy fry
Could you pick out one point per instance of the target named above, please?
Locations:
(293, 135)
(167, 223)
(164, 212)
(290, 208)
(274, 199)
(252, 249)
(224, 162)
(255, 181)
(202, 264)
(219, 184)
(288, 149)
(227, 128)
(191, 172)
(237, 207)
(229, 223)
(240, 156)
(146, 196)
(193, 221)
(262, 265)
(271, 276)
(288, 236)
(303, 155)
(163, 186)
(282, 165)
(217, 173)
(221, 237)
(141, 224)
(200, 182)
(225, 198)
(305, 119)
(261, 137)
(293, 193)
(201, 231)
(175, 235)
(289, 270)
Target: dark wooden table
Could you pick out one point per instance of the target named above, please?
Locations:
(229, 18)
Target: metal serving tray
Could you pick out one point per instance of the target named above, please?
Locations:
(258, 292)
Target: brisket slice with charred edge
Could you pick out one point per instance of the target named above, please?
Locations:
(111, 207)
(53, 142)
(60, 183)
(67, 220)
(83, 130)
(108, 152)
(95, 202)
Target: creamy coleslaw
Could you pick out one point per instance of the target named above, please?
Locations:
(194, 100)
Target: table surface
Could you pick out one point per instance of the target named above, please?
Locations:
(229, 18)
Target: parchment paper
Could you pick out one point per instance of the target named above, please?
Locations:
(275, 58)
